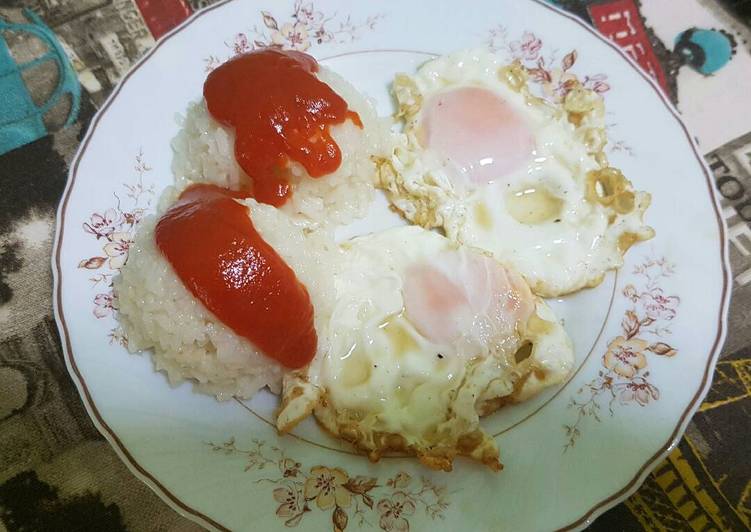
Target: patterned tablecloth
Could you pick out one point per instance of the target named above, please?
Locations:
(56, 471)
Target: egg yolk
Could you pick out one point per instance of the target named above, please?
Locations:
(477, 133)
(215, 250)
(280, 111)
(434, 303)
(460, 294)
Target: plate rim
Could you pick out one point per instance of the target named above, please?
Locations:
(204, 520)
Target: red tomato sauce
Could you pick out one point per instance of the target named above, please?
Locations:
(211, 243)
(280, 111)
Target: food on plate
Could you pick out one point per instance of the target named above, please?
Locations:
(288, 130)
(227, 292)
(400, 340)
(425, 336)
(502, 169)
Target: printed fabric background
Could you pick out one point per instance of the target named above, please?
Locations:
(59, 59)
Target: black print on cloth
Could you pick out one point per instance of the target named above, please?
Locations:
(27, 504)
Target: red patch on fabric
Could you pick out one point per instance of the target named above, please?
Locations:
(163, 15)
(619, 21)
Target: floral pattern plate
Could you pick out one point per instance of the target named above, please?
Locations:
(646, 339)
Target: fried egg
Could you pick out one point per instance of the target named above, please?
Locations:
(501, 169)
(425, 336)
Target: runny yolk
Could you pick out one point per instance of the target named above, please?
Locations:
(477, 132)
(464, 294)
(280, 111)
(434, 303)
(211, 243)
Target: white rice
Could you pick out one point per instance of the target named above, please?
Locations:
(157, 312)
(204, 151)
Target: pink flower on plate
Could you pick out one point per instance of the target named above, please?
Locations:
(626, 357)
(638, 390)
(393, 511)
(527, 48)
(102, 225)
(309, 15)
(598, 83)
(658, 306)
(241, 44)
(322, 35)
(117, 249)
(104, 305)
(294, 36)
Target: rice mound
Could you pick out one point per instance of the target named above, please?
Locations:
(204, 151)
(157, 312)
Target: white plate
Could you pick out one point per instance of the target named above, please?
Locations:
(569, 454)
